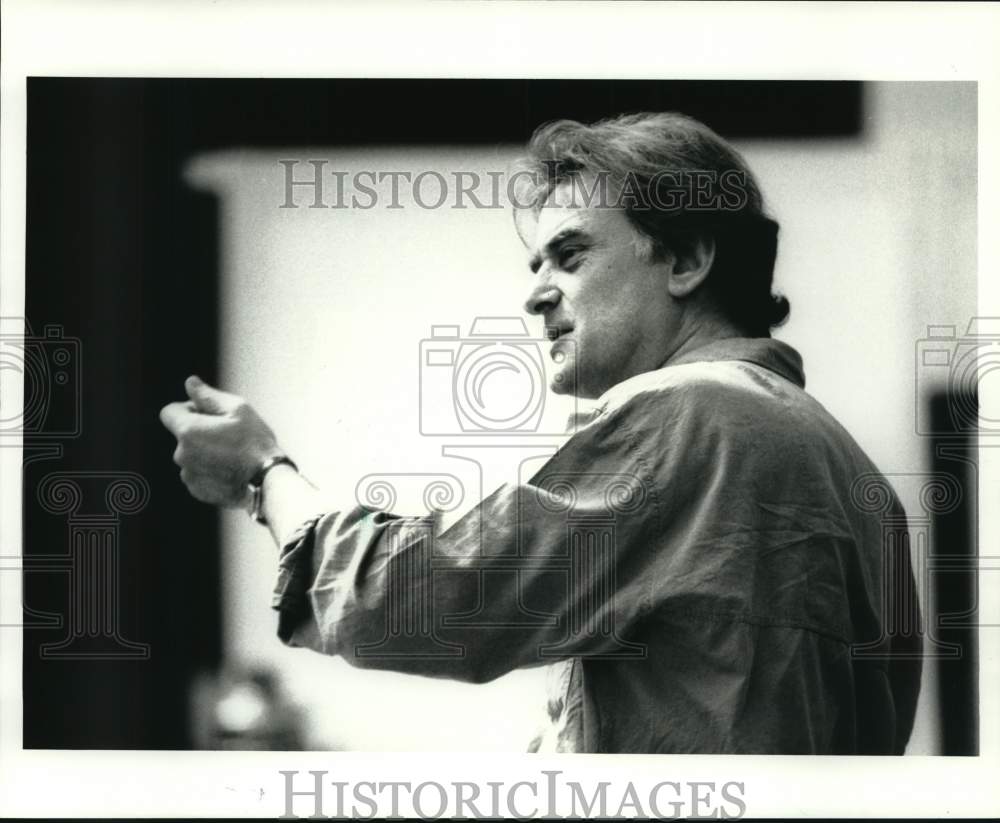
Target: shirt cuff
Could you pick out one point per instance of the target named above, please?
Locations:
(291, 593)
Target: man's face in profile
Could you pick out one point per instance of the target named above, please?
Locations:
(602, 298)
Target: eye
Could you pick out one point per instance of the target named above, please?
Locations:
(570, 258)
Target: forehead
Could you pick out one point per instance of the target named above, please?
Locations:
(572, 205)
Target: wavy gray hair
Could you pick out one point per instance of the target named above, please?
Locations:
(677, 180)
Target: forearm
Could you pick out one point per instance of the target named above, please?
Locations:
(393, 592)
(387, 592)
(289, 500)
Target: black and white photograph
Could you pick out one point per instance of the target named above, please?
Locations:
(378, 437)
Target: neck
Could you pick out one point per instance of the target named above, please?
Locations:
(701, 331)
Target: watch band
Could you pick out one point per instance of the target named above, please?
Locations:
(256, 485)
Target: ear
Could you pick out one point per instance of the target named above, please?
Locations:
(692, 263)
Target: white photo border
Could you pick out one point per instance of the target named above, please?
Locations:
(808, 41)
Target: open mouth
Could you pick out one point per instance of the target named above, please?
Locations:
(553, 333)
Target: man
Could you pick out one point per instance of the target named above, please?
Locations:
(691, 564)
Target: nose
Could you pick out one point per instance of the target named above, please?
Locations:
(542, 299)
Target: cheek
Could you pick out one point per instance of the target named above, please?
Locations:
(604, 296)
(614, 307)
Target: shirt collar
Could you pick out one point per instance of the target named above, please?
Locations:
(767, 352)
(772, 354)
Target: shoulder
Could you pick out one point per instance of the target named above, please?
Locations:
(725, 406)
(708, 394)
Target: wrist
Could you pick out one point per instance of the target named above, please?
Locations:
(277, 460)
(258, 457)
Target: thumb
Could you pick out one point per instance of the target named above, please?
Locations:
(206, 399)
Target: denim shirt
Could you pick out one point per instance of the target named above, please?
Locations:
(701, 565)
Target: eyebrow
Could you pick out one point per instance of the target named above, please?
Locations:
(559, 239)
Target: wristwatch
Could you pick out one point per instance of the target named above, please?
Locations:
(256, 485)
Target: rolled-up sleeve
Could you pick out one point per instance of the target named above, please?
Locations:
(550, 568)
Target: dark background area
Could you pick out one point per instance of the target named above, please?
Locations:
(123, 256)
(954, 583)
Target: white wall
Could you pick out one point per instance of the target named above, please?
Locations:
(324, 311)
